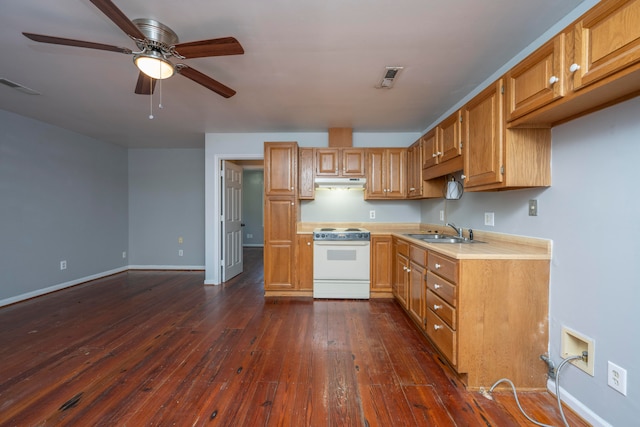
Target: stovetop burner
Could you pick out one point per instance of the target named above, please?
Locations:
(341, 234)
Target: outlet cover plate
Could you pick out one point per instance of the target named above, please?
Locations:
(489, 219)
(533, 207)
(617, 378)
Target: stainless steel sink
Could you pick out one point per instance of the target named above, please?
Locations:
(441, 238)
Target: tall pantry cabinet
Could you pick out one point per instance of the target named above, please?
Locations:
(280, 216)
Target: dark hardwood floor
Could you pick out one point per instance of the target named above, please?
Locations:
(159, 348)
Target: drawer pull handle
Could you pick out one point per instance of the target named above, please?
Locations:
(436, 307)
(436, 286)
(437, 266)
(436, 327)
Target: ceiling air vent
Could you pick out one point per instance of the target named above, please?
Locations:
(18, 87)
(390, 74)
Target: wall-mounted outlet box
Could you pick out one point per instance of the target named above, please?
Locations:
(63, 265)
(574, 344)
(180, 252)
(372, 214)
(124, 254)
(441, 215)
(249, 236)
(489, 219)
(617, 378)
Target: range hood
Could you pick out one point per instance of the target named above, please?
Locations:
(340, 182)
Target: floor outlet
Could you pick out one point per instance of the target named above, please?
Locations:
(63, 265)
(489, 219)
(372, 214)
(573, 344)
(617, 378)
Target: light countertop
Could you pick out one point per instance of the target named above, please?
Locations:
(496, 246)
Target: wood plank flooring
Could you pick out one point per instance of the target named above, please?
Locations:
(159, 348)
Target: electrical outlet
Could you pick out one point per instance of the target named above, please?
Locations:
(533, 207)
(441, 215)
(63, 265)
(489, 219)
(124, 254)
(617, 378)
(372, 214)
(249, 236)
(180, 252)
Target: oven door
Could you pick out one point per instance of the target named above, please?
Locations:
(341, 260)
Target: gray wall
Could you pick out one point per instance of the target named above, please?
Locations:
(63, 197)
(166, 202)
(595, 282)
(252, 207)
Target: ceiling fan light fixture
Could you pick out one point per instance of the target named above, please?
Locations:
(154, 65)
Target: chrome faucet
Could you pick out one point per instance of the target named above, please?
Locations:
(458, 230)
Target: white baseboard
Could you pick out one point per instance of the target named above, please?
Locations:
(54, 288)
(167, 267)
(578, 407)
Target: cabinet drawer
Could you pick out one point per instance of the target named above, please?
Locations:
(443, 266)
(402, 248)
(441, 308)
(442, 288)
(442, 336)
(418, 255)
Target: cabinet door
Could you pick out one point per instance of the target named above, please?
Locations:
(401, 281)
(414, 170)
(482, 118)
(607, 39)
(304, 262)
(327, 161)
(450, 145)
(538, 80)
(306, 188)
(430, 156)
(279, 252)
(281, 168)
(396, 165)
(376, 180)
(352, 162)
(381, 264)
(417, 290)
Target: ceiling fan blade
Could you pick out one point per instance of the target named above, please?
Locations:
(118, 18)
(213, 47)
(77, 43)
(206, 81)
(145, 84)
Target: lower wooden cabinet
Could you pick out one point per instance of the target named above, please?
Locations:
(487, 317)
(381, 266)
(304, 262)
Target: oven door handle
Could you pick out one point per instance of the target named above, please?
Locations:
(341, 242)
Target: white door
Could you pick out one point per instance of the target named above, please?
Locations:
(231, 220)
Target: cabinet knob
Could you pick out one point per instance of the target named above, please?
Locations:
(436, 327)
(434, 155)
(291, 188)
(404, 268)
(436, 286)
(436, 307)
(408, 270)
(574, 67)
(437, 266)
(553, 80)
(308, 243)
(291, 203)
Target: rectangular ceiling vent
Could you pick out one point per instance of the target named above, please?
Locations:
(18, 87)
(389, 77)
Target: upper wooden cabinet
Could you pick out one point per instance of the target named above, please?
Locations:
(496, 158)
(594, 63)
(386, 173)
(414, 170)
(339, 162)
(306, 189)
(442, 153)
(538, 80)
(281, 168)
(607, 40)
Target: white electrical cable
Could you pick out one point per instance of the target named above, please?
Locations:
(515, 394)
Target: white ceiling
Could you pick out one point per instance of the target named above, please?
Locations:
(308, 65)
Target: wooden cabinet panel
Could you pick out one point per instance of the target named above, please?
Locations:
(339, 162)
(442, 336)
(607, 40)
(414, 170)
(280, 219)
(440, 307)
(450, 145)
(278, 266)
(306, 189)
(304, 262)
(430, 156)
(381, 264)
(444, 289)
(484, 137)
(443, 266)
(537, 80)
(352, 162)
(417, 291)
(386, 173)
(401, 281)
(376, 180)
(327, 162)
(281, 168)
(396, 173)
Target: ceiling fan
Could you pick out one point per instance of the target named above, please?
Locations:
(157, 44)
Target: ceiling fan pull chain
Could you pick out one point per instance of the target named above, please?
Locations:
(151, 100)
(160, 104)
